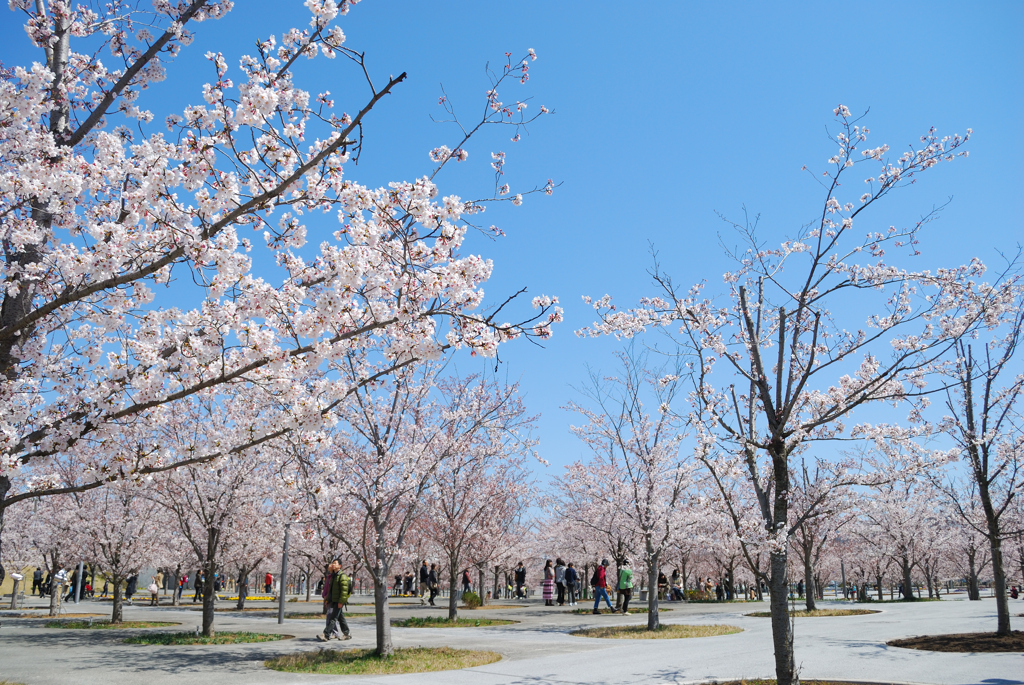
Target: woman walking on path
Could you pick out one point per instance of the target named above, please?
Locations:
(549, 584)
(432, 583)
(600, 583)
(560, 581)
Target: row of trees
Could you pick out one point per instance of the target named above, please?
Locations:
(147, 344)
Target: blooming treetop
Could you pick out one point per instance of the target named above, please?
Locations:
(111, 215)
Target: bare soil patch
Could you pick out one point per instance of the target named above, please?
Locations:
(819, 612)
(964, 642)
(365, 662)
(665, 632)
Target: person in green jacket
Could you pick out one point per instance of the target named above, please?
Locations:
(337, 588)
(625, 584)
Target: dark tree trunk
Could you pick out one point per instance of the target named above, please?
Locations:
(972, 579)
(653, 622)
(243, 590)
(381, 609)
(908, 588)
(782, 629)
(117, 615)
(808, 581)
(209, 599)
(453, 595)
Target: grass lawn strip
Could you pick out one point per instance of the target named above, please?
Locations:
(819, 612)
(105, 624)
(964, 642)
(323, 617)
(443, 622)
(365, 662)
(226, 638)
(604, 610)
(665, 632)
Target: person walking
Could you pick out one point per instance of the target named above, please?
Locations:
(560, 581)
(37, 581)
(625, 586)
(130, 587)
(268, 583)
(424, 581)
(520, 575)
(600, 583)
(548, 586)
(159, 580)
(337, 589)
(571, 578)
(467, 584)
(433, 583)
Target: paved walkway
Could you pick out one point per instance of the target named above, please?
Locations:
(537, 651)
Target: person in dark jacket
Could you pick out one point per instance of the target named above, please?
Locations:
(571, 577)
(424, 584)
(433, 583)
(520, 581)
(337, 588)
(131, 586)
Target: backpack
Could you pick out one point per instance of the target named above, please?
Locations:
(594, 579)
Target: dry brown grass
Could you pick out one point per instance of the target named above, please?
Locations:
(107, 625)
(365, 662)
(818, 612)
(665, 632)
(964, 642)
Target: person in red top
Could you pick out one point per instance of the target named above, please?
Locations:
(268, 584)
(600, 583)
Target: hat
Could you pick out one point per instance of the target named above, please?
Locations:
(604, 562)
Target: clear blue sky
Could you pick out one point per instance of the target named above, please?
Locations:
(666, 112)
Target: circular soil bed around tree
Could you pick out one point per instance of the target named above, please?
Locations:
(443, 622)
(365, 662)
(818, 612)
(185, 638)
(105, 624)
(665, 632)
(632, 610)
(964, 642)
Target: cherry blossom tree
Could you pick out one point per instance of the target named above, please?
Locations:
(210, 500)
(637, 470)
(109, 223)
(984, 422)
(480, 492)
(777, 366)
(123, 532)
(380, 460)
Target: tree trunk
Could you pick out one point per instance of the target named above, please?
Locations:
(973, 593)
(14, 594)
(808, 581)
(175, 599)
(309, 576)
(243, 590)
(999, 582)
(908, 590)
(208, 600)
(381, 609)
(653, 622)
(878, 580)
(782, 629)
(453, 596)
(117, 615)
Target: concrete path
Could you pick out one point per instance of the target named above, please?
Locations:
(536, 651)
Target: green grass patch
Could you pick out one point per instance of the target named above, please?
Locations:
(443, 622)
(818, 612)
(871, 600)
(365, 662)
(227, 638)
(323, 617)
(604, 610)
(105, 624)
(664, 632)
